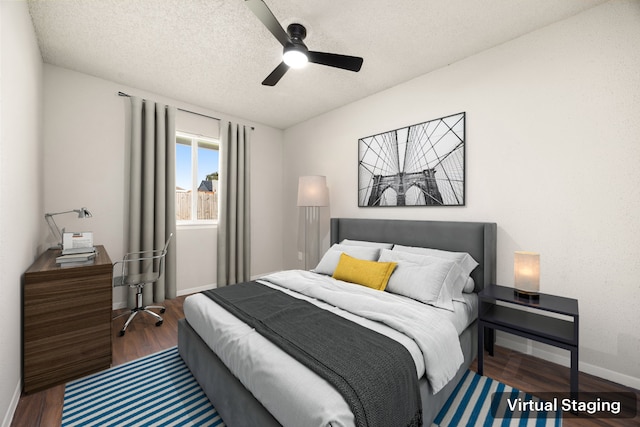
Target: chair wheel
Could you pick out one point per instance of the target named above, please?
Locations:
(159, 322)
(163, 310)
(122, 333)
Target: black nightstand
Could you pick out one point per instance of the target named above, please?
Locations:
(533, 324)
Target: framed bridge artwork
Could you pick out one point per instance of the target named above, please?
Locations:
(418, 165)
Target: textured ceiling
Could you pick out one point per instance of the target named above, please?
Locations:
(215, 53)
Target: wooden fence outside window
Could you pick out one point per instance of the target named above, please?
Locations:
(207, 205)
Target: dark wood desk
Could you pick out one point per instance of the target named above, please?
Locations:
(66, 320)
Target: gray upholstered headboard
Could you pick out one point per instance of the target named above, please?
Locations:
(476, 238)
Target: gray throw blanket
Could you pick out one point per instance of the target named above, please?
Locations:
(375, 374)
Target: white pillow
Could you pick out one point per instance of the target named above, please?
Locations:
(453, 282)
(469, 285)
(366, 243)
(431, 280)
(466, 261)
(330, 259)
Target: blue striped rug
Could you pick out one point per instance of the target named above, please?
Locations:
(157, 390)
(470, 405)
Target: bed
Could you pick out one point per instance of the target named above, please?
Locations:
(237, 404)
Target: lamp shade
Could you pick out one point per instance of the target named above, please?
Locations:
(83, 213)
(313, 191)
(526, 269)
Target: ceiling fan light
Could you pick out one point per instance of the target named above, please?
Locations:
(295, 58)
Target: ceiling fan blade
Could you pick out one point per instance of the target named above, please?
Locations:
(351, 63)
(264, 14)
(276, 75)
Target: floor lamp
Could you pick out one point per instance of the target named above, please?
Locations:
(312, 194)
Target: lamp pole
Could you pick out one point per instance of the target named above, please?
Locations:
(312, 194)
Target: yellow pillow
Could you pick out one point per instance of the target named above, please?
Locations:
(372, 274)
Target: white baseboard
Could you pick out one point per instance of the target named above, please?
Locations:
(117, 305)
(213, 286)
(195, 290)
(527, 347)
(123, 304)
(257, 276)
(13, 405)
(610, 375)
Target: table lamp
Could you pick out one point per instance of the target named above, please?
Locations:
(526, 269)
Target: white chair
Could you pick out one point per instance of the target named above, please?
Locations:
(151, 265)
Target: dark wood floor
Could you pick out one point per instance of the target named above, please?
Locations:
(533, 375)
(524, 372)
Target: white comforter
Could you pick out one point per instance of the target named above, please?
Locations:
(302, 398)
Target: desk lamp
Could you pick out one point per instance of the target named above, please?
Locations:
(82, 213)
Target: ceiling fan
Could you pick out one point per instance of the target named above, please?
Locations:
(295, 53)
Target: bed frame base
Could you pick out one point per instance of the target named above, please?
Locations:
(238, 407)
(235, 404)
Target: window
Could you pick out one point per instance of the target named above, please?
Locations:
(196, 179)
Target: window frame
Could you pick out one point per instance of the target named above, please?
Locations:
(195, 143)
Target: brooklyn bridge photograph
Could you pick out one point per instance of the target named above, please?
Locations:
(418, 165)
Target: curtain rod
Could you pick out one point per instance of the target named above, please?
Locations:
(179, 109)
(120, 93)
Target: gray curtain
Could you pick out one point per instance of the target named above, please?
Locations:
(152, 216)
(234, 234)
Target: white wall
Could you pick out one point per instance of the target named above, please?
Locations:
(85, 138)
(553, 121)
(21, 181)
